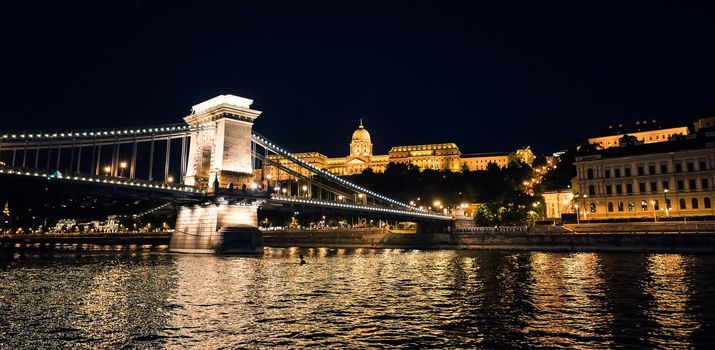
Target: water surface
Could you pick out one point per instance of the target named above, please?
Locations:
(358, 298)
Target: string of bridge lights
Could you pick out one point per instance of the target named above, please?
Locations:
(119, 132)
(288, 154)
(186, 189)
(151, 210)
(362, 207)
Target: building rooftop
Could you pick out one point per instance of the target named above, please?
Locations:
(637, 126)
(690, 142)
(424, 147)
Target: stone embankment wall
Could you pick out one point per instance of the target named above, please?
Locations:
(643, 227)
(692, 238)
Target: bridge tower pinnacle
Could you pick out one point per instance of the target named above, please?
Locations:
(220, 145)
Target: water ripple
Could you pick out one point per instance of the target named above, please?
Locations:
(360, 298)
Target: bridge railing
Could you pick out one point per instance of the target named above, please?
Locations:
(358, 207)
(106, 180)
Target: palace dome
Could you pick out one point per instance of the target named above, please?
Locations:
(361, 134)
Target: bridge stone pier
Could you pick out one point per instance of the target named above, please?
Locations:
(220, 149)
(217, 228)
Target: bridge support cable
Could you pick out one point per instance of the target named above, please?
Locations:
(321, 173)
(334, 190)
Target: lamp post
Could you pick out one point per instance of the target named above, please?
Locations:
(655, 218)
(305, 191)
(578, 215)
(667, 210)
(107, 169)
(583, 199)
(122, 166)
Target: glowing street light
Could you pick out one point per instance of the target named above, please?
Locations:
(122, 165)
(107, 169)
(170, 179)
(436, 203)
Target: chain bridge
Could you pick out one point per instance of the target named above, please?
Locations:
(209, 167)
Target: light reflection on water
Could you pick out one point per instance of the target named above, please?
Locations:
(358, 298)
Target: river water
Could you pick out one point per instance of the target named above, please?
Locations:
(358, 298)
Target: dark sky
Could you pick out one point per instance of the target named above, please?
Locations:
(489, 77)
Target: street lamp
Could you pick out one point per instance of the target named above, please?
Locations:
(170, 179)
(305, 190)
(655, 218)
(107, 169)
(578, 215)
(340, 198)
(665, 193)
(122, 165)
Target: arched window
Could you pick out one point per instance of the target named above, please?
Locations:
(591, 190)
(589, 174)
(681, 204)
(620, 206)
(610, 207)
(644, 205)
(656, 206)
(708, 205)
(694, 203)
(631, 206)
(593, 207)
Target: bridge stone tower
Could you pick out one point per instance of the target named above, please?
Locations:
(220, 142)
(220, 149)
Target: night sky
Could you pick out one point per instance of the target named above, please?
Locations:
(489, 77)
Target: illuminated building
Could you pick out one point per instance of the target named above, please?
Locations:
(557, 203)
(440, 156)
(648, 181)
(644, 131)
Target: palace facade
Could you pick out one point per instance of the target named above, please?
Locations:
(439, 156)
(648, 181)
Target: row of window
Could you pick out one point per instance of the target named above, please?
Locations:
(682, 205)
(640, 170)
(680, 186)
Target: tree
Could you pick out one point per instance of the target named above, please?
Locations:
(627, 140)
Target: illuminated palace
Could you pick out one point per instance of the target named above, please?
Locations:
(440, 156)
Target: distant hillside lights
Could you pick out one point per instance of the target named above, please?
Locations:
(442, 156)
